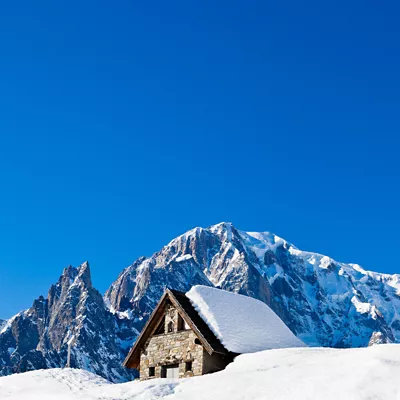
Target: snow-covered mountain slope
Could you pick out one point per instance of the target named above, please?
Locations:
(73, 312)
(285, 374)
(324, 302)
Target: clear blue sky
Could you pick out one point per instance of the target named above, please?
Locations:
(124, 124)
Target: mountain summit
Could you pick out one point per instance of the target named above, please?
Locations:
(324, 302)
(73, 313)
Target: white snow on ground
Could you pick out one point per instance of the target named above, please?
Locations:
(286, 374)
(241, 323)
(76, 384)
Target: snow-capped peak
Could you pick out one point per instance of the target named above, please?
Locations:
(311, 292)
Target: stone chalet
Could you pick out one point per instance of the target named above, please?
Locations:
(176, 342)
(201, 331)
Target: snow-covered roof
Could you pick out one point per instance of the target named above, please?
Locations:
(241, 323)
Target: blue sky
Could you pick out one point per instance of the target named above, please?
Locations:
(124, 124)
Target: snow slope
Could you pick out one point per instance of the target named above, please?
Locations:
(241, 323)
(285, 374)
(76, 384)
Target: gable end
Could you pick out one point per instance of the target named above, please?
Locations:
(189, 315)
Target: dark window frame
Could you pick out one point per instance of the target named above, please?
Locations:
(152, 371)
(181, 323)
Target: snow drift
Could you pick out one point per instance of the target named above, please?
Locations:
(241, 323)
(286, 374)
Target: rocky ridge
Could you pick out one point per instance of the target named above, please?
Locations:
(324, 302)
(72, 314)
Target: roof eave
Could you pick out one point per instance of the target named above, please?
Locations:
(136, 345)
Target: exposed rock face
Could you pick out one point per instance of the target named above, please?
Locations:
(378, 338)
(73, 312)
(199, 257)
(324, 302)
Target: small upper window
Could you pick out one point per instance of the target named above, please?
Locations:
(181, 323)
(170, 327)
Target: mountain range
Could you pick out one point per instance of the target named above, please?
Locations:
(324, 302)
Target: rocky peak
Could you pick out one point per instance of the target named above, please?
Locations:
(213, 256)
(223, 230)
(76, 275)
(84, 274)
(68, 276)
(312, 293)
(73, 312)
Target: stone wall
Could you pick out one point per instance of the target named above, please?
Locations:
(177, 347)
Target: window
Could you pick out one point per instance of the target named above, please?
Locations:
(152, 371)
(170, 327)
(197, 341)
(181, 323)
(160, 328)
(188, 366)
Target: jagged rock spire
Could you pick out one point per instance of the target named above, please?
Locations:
(73, 310)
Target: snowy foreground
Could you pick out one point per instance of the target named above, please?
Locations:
(289, 374)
